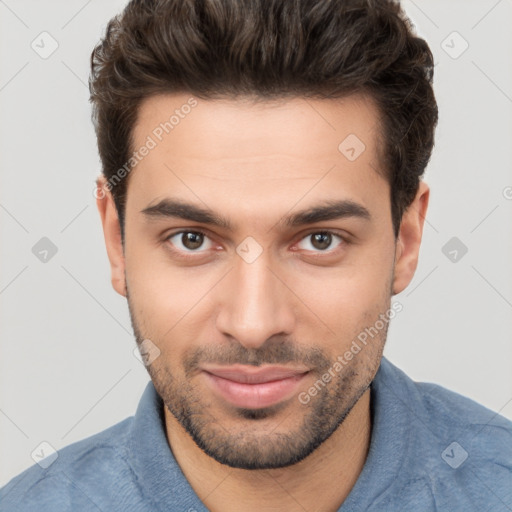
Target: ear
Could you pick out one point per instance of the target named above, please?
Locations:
(112, 233)
(409, 239)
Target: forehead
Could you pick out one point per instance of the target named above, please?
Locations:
(259, 127)
(255, 154)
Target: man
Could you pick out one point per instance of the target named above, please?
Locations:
(262, 202)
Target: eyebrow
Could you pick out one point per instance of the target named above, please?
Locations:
(328, 210)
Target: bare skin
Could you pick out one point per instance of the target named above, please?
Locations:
(300, 302)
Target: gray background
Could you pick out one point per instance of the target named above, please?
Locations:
(67, 366)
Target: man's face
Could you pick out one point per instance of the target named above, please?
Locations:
(247, 318)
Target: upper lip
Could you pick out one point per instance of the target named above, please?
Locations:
(253, 374)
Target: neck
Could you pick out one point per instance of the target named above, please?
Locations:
(320, 482)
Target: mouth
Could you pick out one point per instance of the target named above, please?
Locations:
(252, 387)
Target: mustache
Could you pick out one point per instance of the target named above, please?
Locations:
(269, 353)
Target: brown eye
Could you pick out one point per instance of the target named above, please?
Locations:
(321, 241)
(188, 241)
(192, 240)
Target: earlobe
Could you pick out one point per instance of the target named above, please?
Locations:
(409, 239)
(112, 234)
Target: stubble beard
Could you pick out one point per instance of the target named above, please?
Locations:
(258, 443)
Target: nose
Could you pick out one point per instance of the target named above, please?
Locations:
(255, 303)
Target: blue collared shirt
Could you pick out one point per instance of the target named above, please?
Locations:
(431, 450)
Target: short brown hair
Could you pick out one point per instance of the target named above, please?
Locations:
(268, 49)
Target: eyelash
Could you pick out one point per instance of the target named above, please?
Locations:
(190, 254)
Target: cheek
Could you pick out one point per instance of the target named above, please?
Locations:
(154, 293)
(345, 294)
(171, 304)
(345, 300)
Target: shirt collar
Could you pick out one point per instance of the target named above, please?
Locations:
(390, 438)
(161, 480)
(164, 484)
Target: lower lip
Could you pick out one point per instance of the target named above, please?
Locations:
(254, 396)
